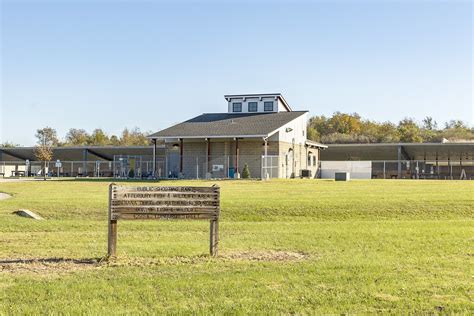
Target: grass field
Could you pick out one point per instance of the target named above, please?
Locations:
(287, 246)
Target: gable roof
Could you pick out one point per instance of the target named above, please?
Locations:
(219, 125)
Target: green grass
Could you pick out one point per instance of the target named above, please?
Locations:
(371, 246)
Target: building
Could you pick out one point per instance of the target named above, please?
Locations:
(84, 161)
(401, 160)
(258, 130)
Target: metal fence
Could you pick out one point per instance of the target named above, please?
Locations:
(421, 169)
(222, 167)
(171, 166)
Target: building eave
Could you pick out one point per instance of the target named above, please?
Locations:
(208, 136)
(315, 144)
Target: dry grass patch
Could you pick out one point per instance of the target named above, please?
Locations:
(267, 255)
(46, 266)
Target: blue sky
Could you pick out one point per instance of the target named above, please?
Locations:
(110, 64)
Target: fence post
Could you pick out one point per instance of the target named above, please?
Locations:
(112, 238)
(214, 237)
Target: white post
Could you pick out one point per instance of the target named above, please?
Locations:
(197, 168)
(384, 169)
(266, 159)
(154, 159)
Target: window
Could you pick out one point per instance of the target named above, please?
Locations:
(314, 160)
(252, 106)
(309, 160)
(237, 107)
(268, 106)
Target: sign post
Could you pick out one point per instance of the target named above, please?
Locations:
(141, 203)
(27, 167)
(58, 166)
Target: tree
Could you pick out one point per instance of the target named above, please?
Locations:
(409, 131)
(114, 140)
(133, 138)
(8, 145)
(98, 138)
(77, 137)
(46, 139)
(345, 123)
(312, 134)
(457, 130)
(429, 123)
(47, 136)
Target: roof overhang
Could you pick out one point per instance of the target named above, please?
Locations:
(310, 143)
(208, 136)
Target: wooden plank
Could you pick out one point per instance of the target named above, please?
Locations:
(163, 207)
(164, 189)
(154, 216)
(162, 192)
(164, 213)
(182, 196)
(165, 199)
(164, 203)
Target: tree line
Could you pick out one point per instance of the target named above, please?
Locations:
(339, 128)
(47, 138)
(80, 137)
(347, 128)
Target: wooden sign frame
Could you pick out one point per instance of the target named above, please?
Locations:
(155, 202)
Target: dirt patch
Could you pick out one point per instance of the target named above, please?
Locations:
(47, 266)
(258, 255)
(53, 266)
(4, 196)
(267, 256)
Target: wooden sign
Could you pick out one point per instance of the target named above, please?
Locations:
(165, 203)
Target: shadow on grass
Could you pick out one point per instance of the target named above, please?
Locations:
(110, 180)
(84, 261)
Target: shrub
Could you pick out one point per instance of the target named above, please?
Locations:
(246, 172)
(131, 173)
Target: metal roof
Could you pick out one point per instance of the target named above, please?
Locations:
(389, 151)
(77, 153)
(315, 144)
(219, 125)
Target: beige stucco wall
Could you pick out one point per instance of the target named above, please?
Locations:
(292, 162)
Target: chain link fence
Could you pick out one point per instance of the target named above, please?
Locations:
(222, 167)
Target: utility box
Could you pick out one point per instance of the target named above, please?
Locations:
(342, 176)
(305, 173)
